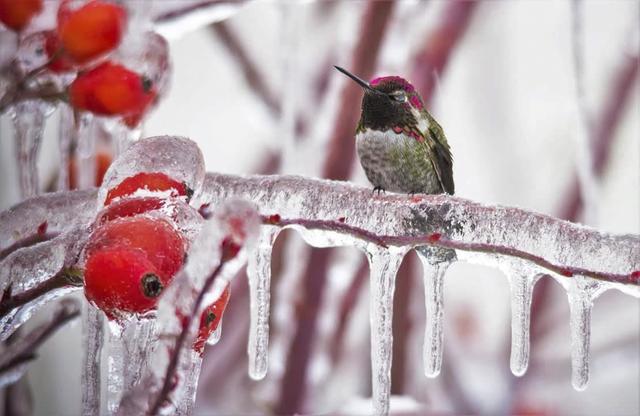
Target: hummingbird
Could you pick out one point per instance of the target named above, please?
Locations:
(401, 147)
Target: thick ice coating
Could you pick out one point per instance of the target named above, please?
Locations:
(235, 221)
(177, 157)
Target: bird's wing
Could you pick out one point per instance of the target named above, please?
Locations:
(440, 155)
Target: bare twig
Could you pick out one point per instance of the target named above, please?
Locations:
(66, 277)
(438, 48)
(251, 72)
(190, 7)
(619, 94)
(23, 350)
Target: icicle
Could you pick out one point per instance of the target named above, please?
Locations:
(28, 120)
(85, 136)
(130, 343)
(384, 264)
(92, 333)
(259, 274)
(581, 293)
(64, 146)
(435, 264)
(521, 293)
(190, 385)
(115, 363)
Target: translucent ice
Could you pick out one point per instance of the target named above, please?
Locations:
(522, 280)
(434, 268)
(384, 264)
(53, 213)
(582, 292)
(28, 122)
(259, 275)
(28, 267)
(177, 157)
(234, 221)
(92, 335)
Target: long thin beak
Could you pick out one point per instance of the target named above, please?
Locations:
(365, 85)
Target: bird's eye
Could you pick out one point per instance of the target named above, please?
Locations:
(399, 96)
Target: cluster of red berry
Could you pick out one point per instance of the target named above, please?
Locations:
(81, 42)
(134, 251)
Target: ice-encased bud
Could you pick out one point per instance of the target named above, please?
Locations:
(175, 156)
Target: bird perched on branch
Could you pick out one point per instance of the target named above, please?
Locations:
(401, 147)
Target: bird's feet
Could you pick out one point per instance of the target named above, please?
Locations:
(378, 189)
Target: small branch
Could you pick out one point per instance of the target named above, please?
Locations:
(187, 8)
(66, 277)
(440, 46)
(620, 94)
(168, 383)
(23, 350)
(437, 240)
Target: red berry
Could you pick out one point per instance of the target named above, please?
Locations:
(16, 14)
(151, 181)
(129, 207)
(122, 280)
(210, 319)
(91, 30)
(133, 119)
(110, 89)
(157, 239)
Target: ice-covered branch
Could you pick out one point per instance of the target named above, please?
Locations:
(64, 278)
(19, 352)
(354, 216)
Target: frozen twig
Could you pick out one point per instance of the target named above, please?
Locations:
(439, 220)
(24, 349)
(64, 278)
(437, 240)
(26, 242)
(168, 383)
